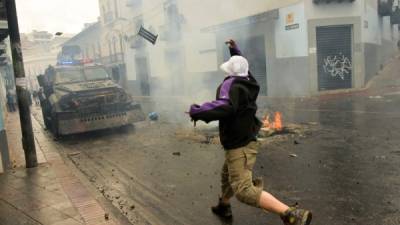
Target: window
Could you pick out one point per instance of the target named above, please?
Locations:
(69, 76)
(96, 73)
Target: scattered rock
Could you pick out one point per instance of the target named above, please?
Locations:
(106, 216)
(293, 155)
(153, 116)
(132, 207)
(117, 197)
(296, 142)
(176, 154)
(73, 153)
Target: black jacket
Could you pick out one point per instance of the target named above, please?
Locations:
(235, 108)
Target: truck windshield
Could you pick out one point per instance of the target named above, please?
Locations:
(70, 75)
(95, 73)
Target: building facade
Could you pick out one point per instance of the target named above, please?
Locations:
(40, 49)
(308, 47)
(295, 47)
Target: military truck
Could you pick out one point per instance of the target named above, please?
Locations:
(77, 98)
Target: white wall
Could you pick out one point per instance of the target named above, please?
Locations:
(200, 52)
(291, 43)
(375, 27)
(371, 25)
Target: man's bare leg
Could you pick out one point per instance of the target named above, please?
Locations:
(271, 204)
(267, 202)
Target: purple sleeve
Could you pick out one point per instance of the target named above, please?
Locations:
(217, 109)
(235, 51)
(208, 106)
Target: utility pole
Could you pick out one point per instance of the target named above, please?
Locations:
(28, 140)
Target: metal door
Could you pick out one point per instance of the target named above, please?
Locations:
(253, 49)
(334, 52)
(143, 75)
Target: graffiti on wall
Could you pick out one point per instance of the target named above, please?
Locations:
(338, 66)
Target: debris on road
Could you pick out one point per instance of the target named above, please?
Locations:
(73, 154)
(176, 154)
(376, 97)
(153, 116)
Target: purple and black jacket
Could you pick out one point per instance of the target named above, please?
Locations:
(235, 108)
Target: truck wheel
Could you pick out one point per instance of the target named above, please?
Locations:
(47, 121)
(54, 126)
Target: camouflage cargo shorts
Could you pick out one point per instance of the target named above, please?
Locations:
(237, 175)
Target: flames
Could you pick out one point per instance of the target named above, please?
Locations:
(276, 124)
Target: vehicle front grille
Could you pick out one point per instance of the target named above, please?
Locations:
(99, 117)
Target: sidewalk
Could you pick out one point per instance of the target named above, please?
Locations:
(49, 194)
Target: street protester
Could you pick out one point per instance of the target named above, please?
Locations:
(235, 108)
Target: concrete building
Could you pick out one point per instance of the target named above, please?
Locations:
(295, 47)
(105, 41)
(40, 49)
(300, 48)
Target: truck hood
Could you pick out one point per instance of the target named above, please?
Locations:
(86, 86)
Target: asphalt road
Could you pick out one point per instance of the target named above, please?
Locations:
(346, 170)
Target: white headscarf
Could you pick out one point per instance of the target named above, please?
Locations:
(236, 66)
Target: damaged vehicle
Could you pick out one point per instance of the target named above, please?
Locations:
(81, 98)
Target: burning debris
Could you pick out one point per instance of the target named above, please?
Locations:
(273, 129)
(275, 126)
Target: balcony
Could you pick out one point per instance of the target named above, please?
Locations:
(385, 7)
(113, 59)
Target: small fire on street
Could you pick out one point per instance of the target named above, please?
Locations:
(275, 125)
(273, 129)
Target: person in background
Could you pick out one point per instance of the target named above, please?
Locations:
(235, 109)
(35, 96)
(10, 102)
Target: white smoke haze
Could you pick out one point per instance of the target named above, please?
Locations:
(181, 72)
(56, 15)
(194, 76)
